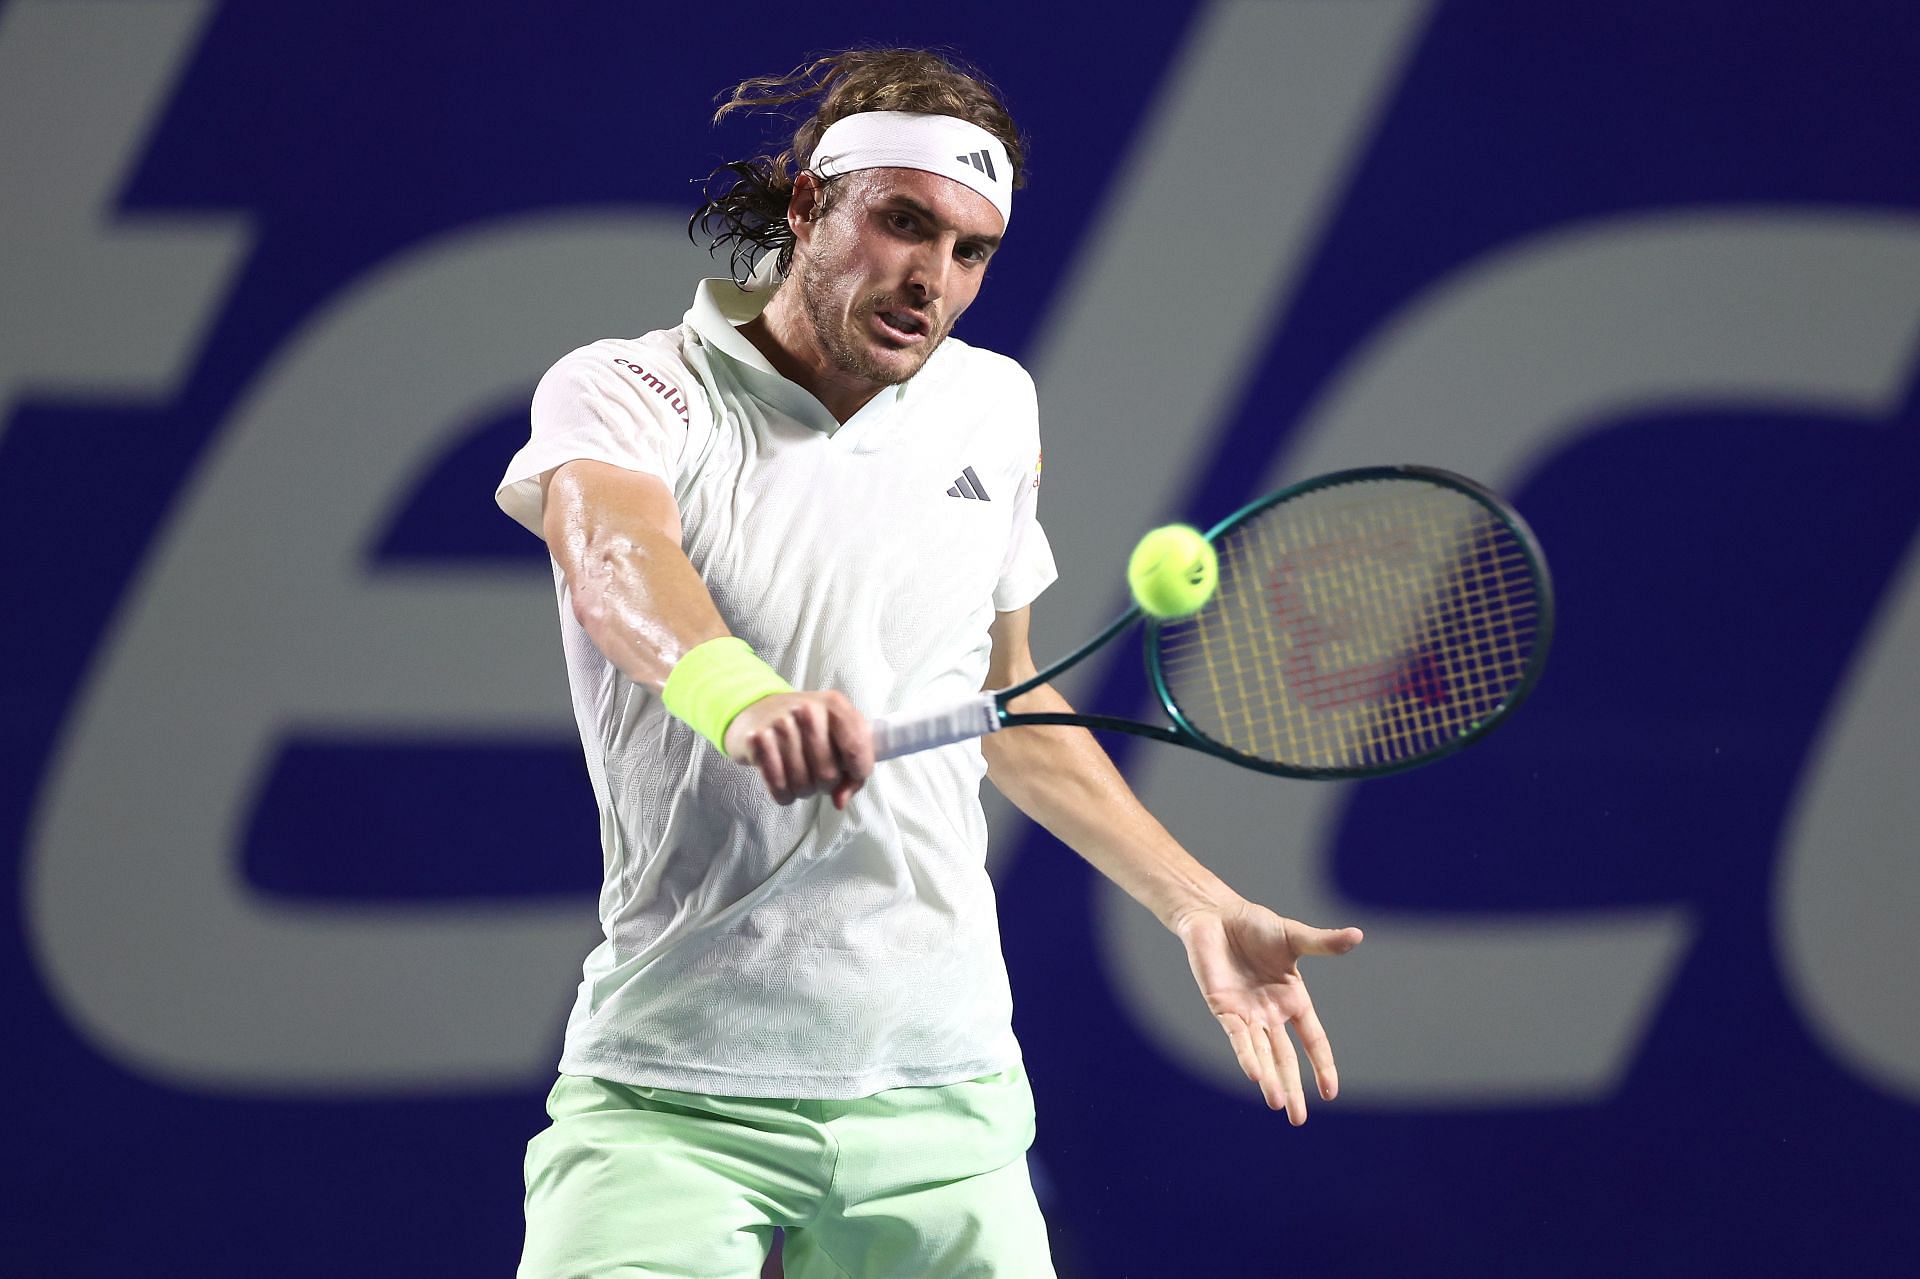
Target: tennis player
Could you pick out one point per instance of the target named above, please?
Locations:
(804, 504)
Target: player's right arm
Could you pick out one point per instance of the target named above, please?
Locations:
(616, 536)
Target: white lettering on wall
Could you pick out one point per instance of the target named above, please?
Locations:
(80, 85)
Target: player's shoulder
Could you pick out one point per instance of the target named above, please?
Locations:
(619, 359)
(647, 376)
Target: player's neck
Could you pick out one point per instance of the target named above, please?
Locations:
(785, 336)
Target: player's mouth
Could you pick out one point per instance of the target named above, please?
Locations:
(902, 326)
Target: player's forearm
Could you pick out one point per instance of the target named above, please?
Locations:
(1060, 777)
(632, 588)
(643, 606)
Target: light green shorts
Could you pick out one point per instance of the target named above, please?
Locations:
(912, 1182)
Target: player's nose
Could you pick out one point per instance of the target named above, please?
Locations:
(930, 271)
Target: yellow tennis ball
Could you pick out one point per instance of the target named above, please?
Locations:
(1173, 571)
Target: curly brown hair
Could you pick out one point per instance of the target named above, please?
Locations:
(749, 212)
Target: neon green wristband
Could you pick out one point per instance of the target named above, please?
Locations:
(715, 681)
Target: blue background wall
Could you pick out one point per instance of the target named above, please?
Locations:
(297, 842)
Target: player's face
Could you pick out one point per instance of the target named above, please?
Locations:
(895, 260)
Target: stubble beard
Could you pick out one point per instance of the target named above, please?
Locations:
(845, 349)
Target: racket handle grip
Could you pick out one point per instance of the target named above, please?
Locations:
(904, 732)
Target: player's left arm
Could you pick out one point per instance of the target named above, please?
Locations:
(1244, 956)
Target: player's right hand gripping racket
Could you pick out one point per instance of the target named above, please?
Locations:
(1365, 622)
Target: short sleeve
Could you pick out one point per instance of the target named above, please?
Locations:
(604, 403)
(1028, 568)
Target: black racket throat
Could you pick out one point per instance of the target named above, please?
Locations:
(1109, 723)
(1064, 664)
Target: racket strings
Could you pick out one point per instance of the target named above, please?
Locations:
(1357, 626)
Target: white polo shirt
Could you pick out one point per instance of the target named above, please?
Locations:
(798, 951)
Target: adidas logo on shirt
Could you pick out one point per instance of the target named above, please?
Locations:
(969, 485)
(981, 161)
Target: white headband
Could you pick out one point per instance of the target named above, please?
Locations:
(941, 144)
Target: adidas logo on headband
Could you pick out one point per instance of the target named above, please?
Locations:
(981, 161)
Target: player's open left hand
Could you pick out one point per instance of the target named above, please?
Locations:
(1246, 960)
(804, 744)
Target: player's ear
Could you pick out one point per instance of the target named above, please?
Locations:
(805, 206)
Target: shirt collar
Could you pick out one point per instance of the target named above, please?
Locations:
(720, 307)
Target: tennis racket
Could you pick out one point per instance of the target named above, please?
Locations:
(1365, 622)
